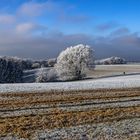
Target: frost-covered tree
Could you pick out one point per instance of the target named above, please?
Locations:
(73, 62)
(52, 75)
(41, 75)
(35, 65)
(10, 70)
(51, 62)
(45, 75)
(111, 61)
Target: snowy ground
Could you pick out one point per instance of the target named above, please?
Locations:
(100, 71)
(128, 81)
(112, 70)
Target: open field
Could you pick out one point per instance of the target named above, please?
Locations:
(74, 115)
(127, 81)
(99, 71)
(106, 107)
(112, 70)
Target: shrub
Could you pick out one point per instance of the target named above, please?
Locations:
(52, 75)
(73, 62)
(41, 75)
(45, 75)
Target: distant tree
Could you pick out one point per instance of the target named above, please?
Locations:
(35, 65)
(51, 62)
(26, 64)
(73, 62)
(10, 70)
(111, 61)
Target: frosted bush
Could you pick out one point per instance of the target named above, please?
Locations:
(41, 76)
(44, 75)
(52, 75)
(73, 62)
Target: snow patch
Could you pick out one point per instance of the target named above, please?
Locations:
(112, 82)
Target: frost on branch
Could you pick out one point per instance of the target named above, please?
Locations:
(41, 76)
(111, 61)
(73, 62)
(10, 70)
(51, 62)
(45, 75)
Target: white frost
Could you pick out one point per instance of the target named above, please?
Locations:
(112, 82)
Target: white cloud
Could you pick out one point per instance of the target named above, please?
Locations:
(50, 45)
(29, 27)
(7, 19)
(25, 27)
(34, 8)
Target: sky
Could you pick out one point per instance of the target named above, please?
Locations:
(41, 29)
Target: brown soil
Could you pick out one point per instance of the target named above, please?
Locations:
(25, 125)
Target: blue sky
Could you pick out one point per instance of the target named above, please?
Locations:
(43, 28)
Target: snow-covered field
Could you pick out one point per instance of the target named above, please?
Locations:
(112, 70)
(129, 81)
(72, 110)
